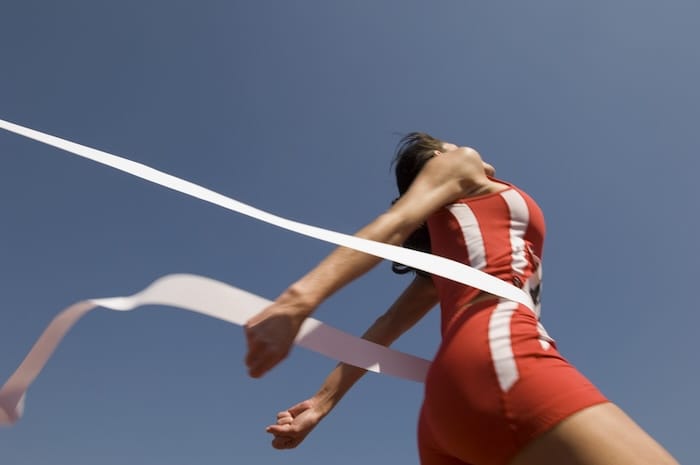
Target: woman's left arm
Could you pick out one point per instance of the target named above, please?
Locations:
(295, 423)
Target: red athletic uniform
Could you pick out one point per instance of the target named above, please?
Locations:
(497, 380)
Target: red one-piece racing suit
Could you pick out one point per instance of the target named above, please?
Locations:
(497, 381)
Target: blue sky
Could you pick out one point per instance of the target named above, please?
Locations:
(295, 108)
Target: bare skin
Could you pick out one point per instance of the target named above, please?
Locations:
(598, 435)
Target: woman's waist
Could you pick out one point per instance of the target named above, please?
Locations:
(476, 314)
(469, 303)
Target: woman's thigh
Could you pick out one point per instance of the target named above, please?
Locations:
(599, 435)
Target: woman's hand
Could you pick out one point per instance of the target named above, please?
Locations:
(295, 424)
(271, 333)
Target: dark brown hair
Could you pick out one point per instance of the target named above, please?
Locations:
(412, 153)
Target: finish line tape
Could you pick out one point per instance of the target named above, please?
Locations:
(230, 304)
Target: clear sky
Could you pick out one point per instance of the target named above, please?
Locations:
(295, 107)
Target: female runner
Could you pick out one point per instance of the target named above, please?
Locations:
(497, 392)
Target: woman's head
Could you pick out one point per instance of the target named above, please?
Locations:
(416, 148)
(412, 152)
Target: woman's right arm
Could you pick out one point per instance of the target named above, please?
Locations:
(294, 424)
(270, 333)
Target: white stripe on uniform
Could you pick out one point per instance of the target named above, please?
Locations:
(519, 220)
(500, 344)
(472, 234)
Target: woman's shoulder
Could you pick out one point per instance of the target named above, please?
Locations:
(496, 188)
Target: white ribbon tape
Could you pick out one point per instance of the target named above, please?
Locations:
(423, 261)
(217, 300)
(221, 301)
